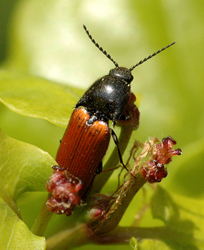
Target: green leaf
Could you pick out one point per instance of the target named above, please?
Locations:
(152, 245)
(134, 243)
(14, 234)
(163, 207)
(187, 178)
(23, 167)
(181, 215)
(37, 97)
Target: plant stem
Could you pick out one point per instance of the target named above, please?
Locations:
(113, 160)
(82, 235)
(41, 221)
(127, 193)
(123, 234)
(70, 238)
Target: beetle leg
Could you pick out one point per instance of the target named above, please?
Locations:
(58, 168)
(115, 139)
(100, 168)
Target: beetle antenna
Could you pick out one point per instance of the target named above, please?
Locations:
(98, 46)
(154, 54)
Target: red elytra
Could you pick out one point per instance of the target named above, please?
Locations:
(82, 148)
(79, 157)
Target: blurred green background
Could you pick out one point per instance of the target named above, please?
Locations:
(45, 38)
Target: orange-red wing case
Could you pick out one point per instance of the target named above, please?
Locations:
(83, 147)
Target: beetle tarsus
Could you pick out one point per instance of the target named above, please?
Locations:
(58, 168)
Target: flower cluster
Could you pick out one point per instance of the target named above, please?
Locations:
(64, 189)
(154, 169)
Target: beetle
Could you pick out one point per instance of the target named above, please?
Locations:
(87, 136)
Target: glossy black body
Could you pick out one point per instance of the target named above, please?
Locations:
(108, 97)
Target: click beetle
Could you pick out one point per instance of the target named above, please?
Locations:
(87, 136)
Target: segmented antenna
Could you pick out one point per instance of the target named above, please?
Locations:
(154, 54)
(100, 48)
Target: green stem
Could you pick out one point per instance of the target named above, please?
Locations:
(70, 238)
(41, 221)
(127, 193)
(113, 160)
(82, 235)
(121, 235)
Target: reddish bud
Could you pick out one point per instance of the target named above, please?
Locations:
(154, 170)
(64, 190)
(130, 116)
(101, 204)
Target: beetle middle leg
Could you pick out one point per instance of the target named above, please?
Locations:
(115, 139)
